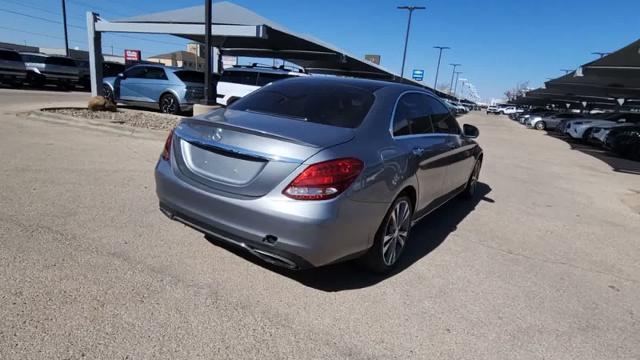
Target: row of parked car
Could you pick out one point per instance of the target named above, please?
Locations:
(37, 69)
(618, 132)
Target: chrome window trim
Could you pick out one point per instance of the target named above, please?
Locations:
(413, 136)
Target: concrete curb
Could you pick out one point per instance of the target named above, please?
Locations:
(93, 124)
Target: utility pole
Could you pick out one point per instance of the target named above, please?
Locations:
(435, 83)
(64, 22)
(209, 89)
(406, 38)
(453, 73)
(456, 84)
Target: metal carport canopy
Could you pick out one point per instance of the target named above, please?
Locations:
(616, 75)
(271, 40)
(241, 32)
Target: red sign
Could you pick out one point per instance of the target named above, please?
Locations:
(132, 55)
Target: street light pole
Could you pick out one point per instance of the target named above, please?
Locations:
(456, 84)
(64, 23)
(435, 83)
(406, 38)
(453, 73)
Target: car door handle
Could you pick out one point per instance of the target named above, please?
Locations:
(418, 151)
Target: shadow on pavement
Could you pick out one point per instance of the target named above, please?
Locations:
(426, 236)
(616, 163)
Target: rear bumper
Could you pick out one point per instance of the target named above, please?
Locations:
(286, 232)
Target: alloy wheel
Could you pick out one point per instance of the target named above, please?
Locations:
(396, 232)
(108, 93)
(168, 104)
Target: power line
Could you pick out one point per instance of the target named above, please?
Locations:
(54, 37)
(93, 6)
(29, 16)
(31, 7)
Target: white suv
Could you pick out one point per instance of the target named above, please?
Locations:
(507, 110)
(239, 81)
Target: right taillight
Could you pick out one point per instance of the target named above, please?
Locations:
(166, 151)
(324, 180)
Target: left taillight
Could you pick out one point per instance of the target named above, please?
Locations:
(324, 180)
(166, 151)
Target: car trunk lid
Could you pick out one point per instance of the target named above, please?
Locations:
(247, 153)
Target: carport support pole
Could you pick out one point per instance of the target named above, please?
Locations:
(209, 88)
(64, 22)
(95, 54)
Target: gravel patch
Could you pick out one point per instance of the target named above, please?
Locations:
(129, 117)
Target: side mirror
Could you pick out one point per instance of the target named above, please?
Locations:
(122, 76)
(470, 131)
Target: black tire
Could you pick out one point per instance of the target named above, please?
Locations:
(108, 93)
(380, 259)
(169, 104)
(541, 125)
(470, 190)
(586, 134)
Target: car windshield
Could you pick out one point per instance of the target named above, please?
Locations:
(190, 76)
(33, 58)
(60, 61)
(322, 102)
(9, 55)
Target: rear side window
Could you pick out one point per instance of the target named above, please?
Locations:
(320, 101)
(10, 56)
(190, 76)
(155, 73)
(240, 77)
(411, 115)
(443, 121)
(136, 72)
(265, 78)
(33, 58)
(59, 61)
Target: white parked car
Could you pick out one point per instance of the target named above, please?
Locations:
(508, 110)
(599, 133)
(582, 128)
(239, 81)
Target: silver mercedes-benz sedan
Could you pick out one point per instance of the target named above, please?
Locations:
(314, 170)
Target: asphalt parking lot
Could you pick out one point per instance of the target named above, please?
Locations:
(543, 264)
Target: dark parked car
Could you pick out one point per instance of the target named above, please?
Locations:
(625, 141)
(51, 69)
(309, 171)
(12, 69)
(110, 68)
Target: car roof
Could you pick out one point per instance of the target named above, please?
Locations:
(160, 66)
(263, 69)
(47, 55)
(368, 84)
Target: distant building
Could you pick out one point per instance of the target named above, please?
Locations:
(192, 59)
(373, 58)
(18, 47)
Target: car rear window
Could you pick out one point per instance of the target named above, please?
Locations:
(60, 61)
(323, 102)
(190, 76)
(38, 59)
(10, 55)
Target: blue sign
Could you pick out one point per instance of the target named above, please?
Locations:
(418, 75)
